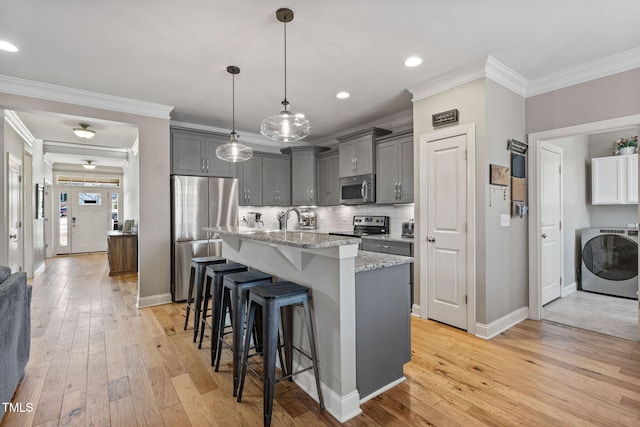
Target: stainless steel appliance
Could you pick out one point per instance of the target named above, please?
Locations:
(407, 229)
(197, 202)
(367, 225)
(610, 261)
(307, 219)
(358, 189)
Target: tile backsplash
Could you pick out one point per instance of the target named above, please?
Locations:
(336, 218)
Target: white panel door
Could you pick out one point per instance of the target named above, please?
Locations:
(446, 233)
(550, 220)
(90, 220)
(14, 220)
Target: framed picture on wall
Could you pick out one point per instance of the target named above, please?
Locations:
(499, 175)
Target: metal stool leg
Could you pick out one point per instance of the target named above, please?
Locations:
(247, 342)
(271, 327)
(312, 345)
(225, 305)
(205, 306)
(189, 297)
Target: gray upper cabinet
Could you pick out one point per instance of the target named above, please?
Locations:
(194, 153)
(394, 165)
(329, 179)
(276, 181)
(249, 174)
(304, 186)
(357, 152)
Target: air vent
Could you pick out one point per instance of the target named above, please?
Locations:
(633, 233)
(613, 231)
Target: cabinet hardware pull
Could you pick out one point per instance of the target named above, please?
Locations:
(399, 191)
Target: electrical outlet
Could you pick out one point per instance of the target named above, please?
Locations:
(505, 220)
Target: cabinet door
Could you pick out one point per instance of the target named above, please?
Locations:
(253, 180)
(213, 166)
(632, 178)
(607, 180)
(347, 158)
(283, 181)
(365, 156)
(186, 153)
(387, 188)
(405, 171)
(334, 180)
(324, 196)
(269, 192)
(303, 182)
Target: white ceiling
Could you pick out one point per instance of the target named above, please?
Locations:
(176, 53)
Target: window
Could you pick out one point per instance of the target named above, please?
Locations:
(89, 199)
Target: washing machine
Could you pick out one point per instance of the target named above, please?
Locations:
(610, 261)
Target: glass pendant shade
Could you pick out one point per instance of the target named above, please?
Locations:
(234, 151)
(285, 127)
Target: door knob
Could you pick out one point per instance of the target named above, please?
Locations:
(431, 239)
(13, 236)
(544, 235)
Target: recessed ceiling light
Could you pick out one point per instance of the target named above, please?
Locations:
(413, 61)
(342, 95)
(8, 47)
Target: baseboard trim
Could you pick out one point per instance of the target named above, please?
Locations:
(416, 311)
(39, 269)
(342, 408)
(152, 300)
(383, 389)
(569, 289)
(502, 324)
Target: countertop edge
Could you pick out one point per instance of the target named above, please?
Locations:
(367, 260)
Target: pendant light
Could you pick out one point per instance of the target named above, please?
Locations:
(286, 126)
(233, 151)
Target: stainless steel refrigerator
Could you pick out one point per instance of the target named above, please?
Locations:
(198, 202)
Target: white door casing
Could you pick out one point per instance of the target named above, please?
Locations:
(446, 229)
(14, 217)
(551, 253)
(535, 140)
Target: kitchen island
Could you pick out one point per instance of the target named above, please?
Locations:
(360, 306)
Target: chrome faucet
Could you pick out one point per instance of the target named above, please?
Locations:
(286, 217)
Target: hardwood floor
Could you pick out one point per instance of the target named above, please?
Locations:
(97, 360)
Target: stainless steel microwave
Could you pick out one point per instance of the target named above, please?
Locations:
(358, 189)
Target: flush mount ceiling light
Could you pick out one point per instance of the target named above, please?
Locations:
(83, 132)
(412, 61)
(7, 47)
(342, 95)
(233, 151)
(286, 126)
(89, 165)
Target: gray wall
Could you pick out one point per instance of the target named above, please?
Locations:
(469, 99)
(600, 99)
(153, 202)
(506, 248)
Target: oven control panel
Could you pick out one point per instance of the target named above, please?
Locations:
(378, 221)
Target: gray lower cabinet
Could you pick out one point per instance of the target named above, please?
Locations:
(194, 153)
(383, 335)
(395, 248)
(394, 166)
(249, 174)
(328, 179)
(276, 181)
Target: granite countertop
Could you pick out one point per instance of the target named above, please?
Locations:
(367, 260)
(389, 238)
(295, 238)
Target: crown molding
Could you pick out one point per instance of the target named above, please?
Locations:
(603, 67)
(505, 76)
(51, 92)
(18, 125)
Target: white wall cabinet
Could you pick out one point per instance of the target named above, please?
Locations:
(394, 165)
(614, 180)
(357, 152)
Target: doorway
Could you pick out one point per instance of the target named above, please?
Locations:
(447, 239)
(582, 145)
(14, 217)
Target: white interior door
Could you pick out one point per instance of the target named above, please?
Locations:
(446, 231)
(550, 234)
(14, 220)
(90, 219)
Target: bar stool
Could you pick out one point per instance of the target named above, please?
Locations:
(236, 297)
(213, 290)
(272, 298)
(196, 279)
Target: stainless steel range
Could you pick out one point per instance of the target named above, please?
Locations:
(367, 225)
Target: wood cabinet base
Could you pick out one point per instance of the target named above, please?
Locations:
(122, 253)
